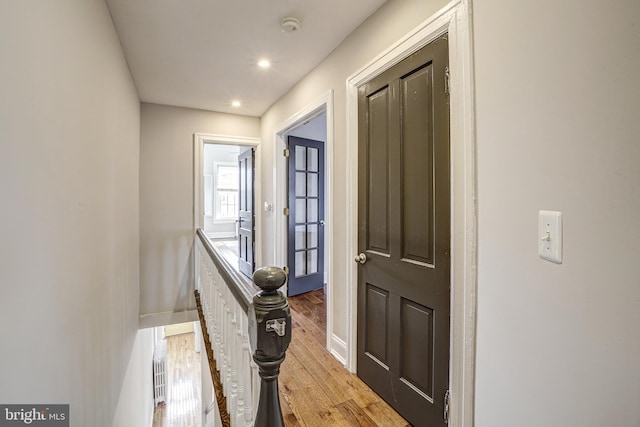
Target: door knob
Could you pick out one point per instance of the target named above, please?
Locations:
(361, 258)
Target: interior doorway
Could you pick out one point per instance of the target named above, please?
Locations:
(225, 195)
(228, 198)
(404, 235)
(455, 20)
(315, 122)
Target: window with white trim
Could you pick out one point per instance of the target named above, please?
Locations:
(225, 192)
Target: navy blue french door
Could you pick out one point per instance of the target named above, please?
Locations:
(306, 215)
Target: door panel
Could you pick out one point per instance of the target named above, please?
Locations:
(417, 340)
(306, 215)
(404, 231)
(245, 213)
(378, 176)
(417, 170)
(377, 319)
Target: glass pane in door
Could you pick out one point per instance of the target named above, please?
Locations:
(312, 235)
(312, 159)
(301, 241)
(301, 157)
(301, 184)
(300, 264)
(312, 210)
(301, 211)
(312, 261)
(312, 185)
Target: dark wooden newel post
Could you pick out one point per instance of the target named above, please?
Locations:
(269, 336)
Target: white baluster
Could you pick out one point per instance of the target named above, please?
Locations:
(224, 369)
(238, 365)
(240, 324)
(246, 411)
(219, 310)
(233, 358)
(224, 349)
(229, 347)
(212, 300)
(255, 388)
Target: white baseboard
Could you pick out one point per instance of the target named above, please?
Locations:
(167, 318)
(339, 349)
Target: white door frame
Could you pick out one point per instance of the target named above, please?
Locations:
(199, 139)
(454, 19)
(324, 104)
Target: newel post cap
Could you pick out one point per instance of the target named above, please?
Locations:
(269, 279)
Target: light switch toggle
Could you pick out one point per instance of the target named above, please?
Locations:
(550, 228)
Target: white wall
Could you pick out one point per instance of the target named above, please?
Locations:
(69, 134)
(558, 102)
(382, 29)
(136, 402)
(166, 199)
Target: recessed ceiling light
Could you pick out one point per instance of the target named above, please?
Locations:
(264, 63)
(235, 104)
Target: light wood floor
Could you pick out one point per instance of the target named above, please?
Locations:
(315, 389)
(183, 405)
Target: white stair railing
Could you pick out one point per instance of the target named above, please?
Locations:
(224, 297)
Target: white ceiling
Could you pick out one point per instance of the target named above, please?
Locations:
(204, 53)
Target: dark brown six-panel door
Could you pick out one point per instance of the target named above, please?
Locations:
(404, 232)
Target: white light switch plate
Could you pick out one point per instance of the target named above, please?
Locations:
(550, 236)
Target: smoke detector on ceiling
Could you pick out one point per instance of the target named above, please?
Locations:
(290, 25)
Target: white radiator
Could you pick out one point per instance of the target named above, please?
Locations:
(160, 372)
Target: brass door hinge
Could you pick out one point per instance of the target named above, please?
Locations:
(286, 152)
(447, 80)
(286, 211)
(447, 406)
